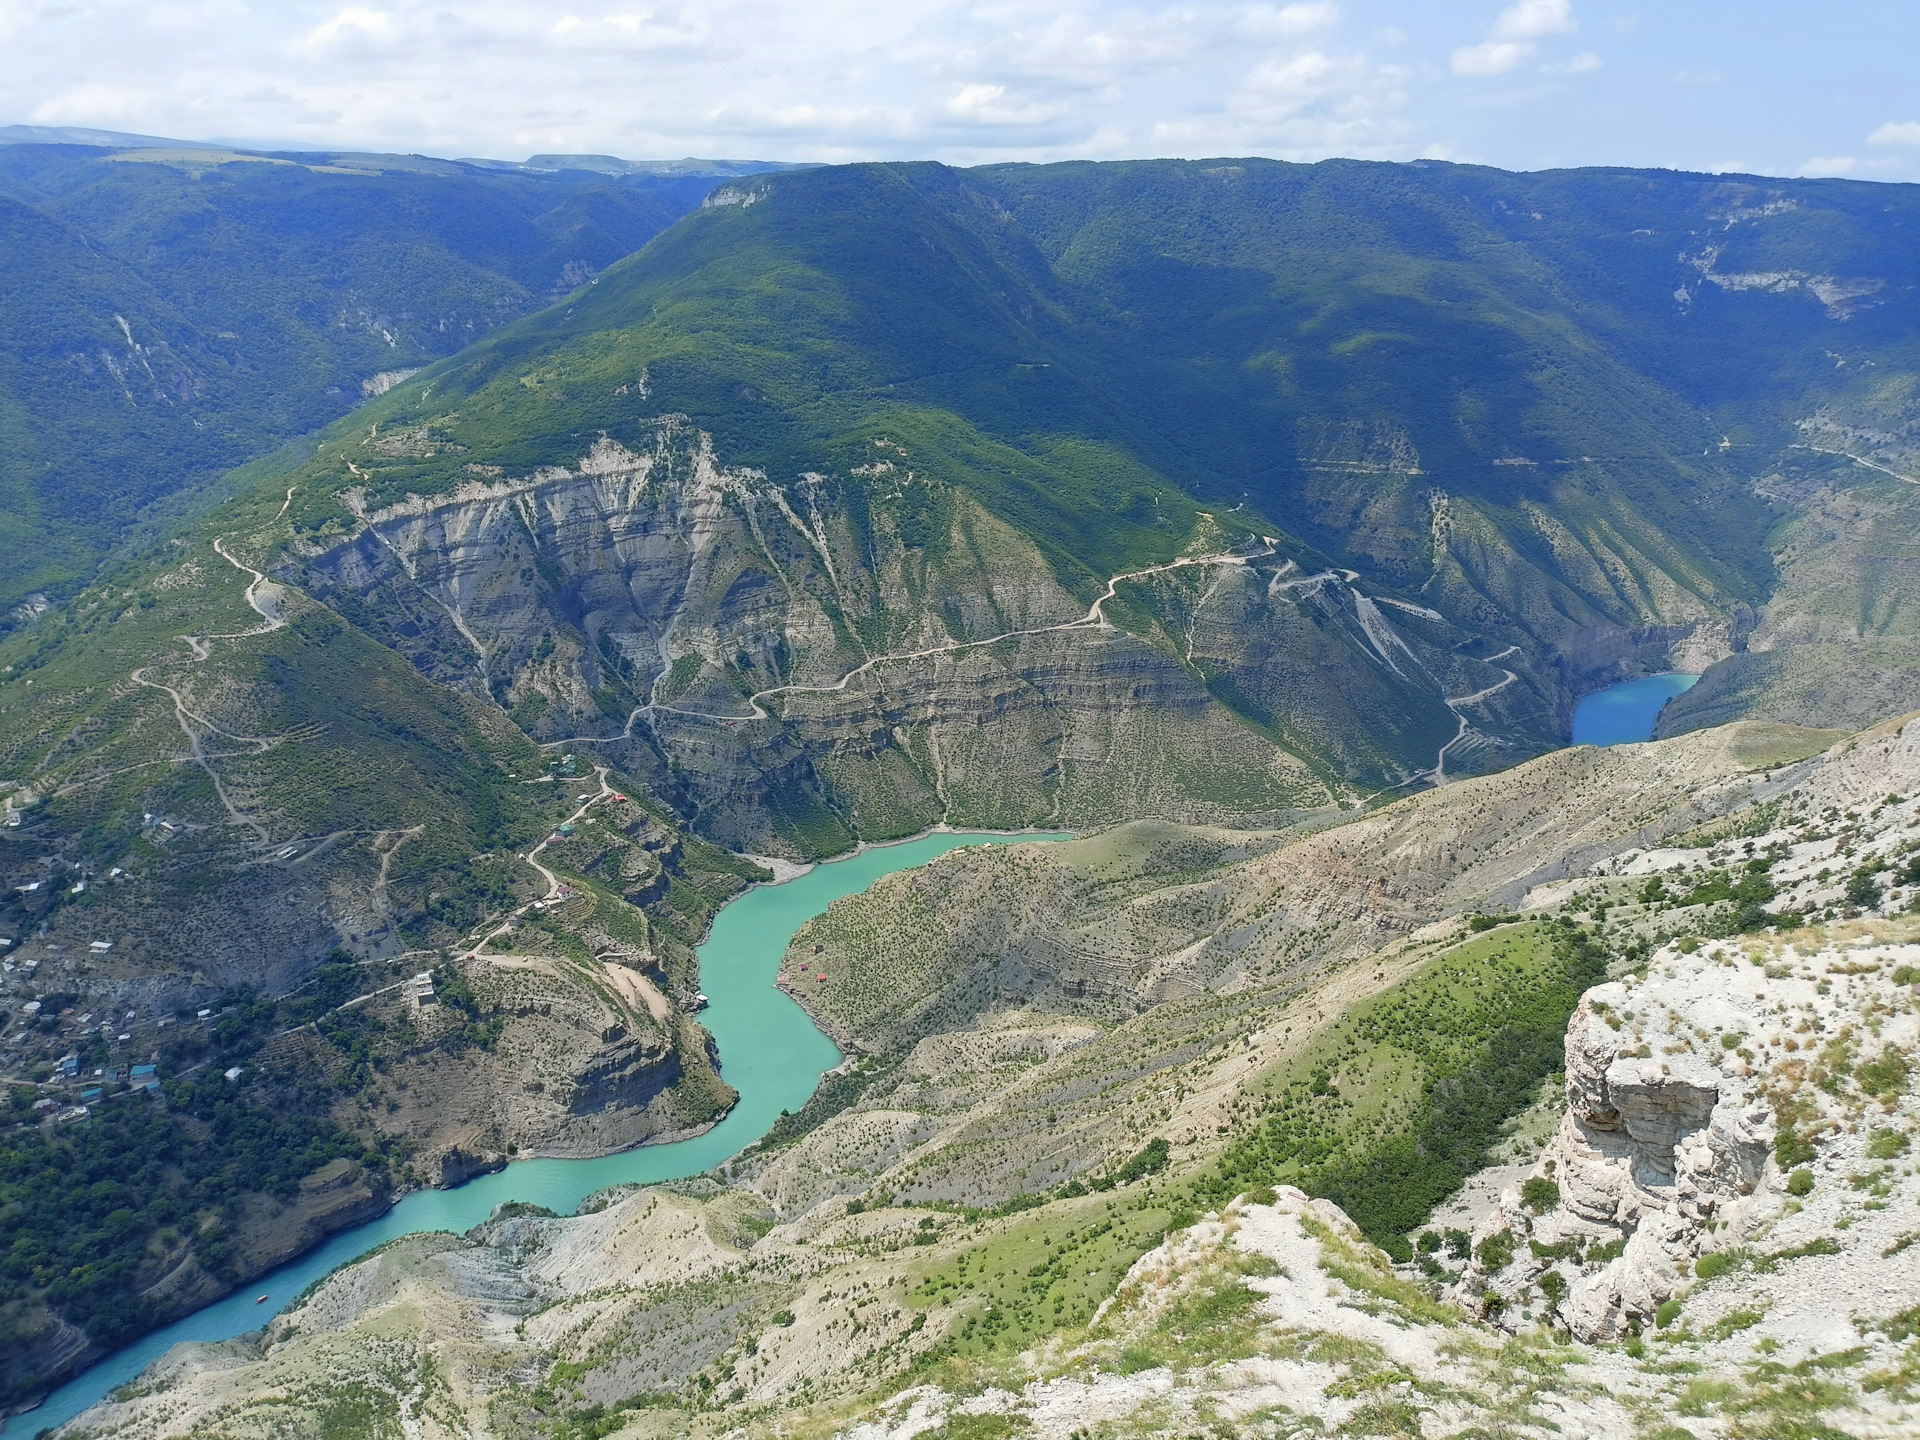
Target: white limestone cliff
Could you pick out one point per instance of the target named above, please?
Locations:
(1678, 1087)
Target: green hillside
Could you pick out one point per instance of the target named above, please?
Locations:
(1327, 344)
(261, 297)
(1534, 406)
(1527, 414)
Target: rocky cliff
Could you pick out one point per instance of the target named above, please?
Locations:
(1742, 1102)
(1836, 641)
(869, 653)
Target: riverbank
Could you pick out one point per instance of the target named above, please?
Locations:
(771, 1054)
(785, 870)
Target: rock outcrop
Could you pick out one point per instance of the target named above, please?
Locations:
(1653, 1149)
(1685, 1091)
(457, 1166)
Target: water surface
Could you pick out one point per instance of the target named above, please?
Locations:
(1624, 713)
(769, 1051)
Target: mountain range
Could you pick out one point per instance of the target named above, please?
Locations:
(174, 309)
(370, 520)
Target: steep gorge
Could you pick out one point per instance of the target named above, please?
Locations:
(862, 656)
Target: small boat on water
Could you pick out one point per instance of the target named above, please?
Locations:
(261, 1301)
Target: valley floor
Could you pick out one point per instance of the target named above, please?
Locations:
(1005, 1219)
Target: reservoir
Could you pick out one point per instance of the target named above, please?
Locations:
(769, 1051)
(1624, 713)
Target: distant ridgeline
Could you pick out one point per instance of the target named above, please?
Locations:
(1533, 407)
(170, 310)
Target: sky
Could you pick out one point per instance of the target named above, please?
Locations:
(1778, 87)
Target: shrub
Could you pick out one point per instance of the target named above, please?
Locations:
(981, 1427)
(1733, 1324)
(1800, 1183)
(1151, 1160)
(1668, 1312)
(1554, 1286)
(1718, 1263)
(1496, 1251)
(1903, 1326)
(1540, 1195)
(1886, 1145)
(1791, 1148)
(1885, 1076)
(1863, 890)
(783, 1318)
(1824, 1245)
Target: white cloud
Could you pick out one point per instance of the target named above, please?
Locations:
(974, 97)
(990, 105)
(1585, 63)
(1831, 165)
(1896, 132)
(1290, 22)
(957, 80)
(352, 22)
(1492, 58)
(652, 32)
(961, 80)
(1310, 103)
(1534, 20)
(1512, 38)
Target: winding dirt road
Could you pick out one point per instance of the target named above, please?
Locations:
(1094, 619)
(532, 858)
(198, 727)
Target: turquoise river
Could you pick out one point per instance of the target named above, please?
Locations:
(1626, 713)
(769, 1051)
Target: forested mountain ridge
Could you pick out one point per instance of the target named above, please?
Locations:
(1530, 419)
(172, 312)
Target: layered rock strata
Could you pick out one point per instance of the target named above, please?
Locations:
(814, 665)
